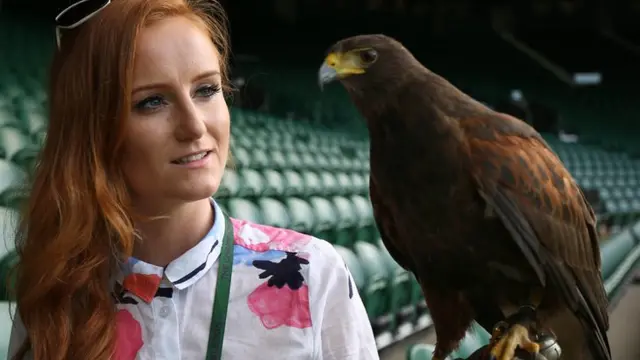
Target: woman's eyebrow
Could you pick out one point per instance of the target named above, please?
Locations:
(203, 75)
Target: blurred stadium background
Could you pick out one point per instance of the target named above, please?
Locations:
(568, 67)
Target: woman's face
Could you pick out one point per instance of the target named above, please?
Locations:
(178, 129)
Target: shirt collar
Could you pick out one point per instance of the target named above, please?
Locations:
(143, 279)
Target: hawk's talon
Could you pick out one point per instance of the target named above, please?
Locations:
(499, 330)
(505, 347)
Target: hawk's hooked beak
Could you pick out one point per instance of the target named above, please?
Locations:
(338, 66)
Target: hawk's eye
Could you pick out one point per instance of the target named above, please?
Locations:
(368, 56)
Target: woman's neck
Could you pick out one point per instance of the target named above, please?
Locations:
(166, 238)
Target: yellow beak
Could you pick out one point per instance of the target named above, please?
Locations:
(338, 66)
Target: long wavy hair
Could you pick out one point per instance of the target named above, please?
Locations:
(78, 224)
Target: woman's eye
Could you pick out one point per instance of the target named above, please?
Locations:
(208, 90)
(150, 103)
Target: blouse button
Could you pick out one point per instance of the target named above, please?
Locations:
(164, 311)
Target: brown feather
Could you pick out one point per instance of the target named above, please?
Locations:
(474, 203)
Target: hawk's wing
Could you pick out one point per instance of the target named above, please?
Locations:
(540, 204)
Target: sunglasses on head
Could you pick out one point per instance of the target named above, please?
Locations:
(77, 14)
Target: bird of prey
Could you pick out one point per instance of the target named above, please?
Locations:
(476, 204)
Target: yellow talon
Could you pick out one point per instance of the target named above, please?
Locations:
(516, 336)
(498, 331)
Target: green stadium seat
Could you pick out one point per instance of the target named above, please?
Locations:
(10, 175)
(274, 184)
(244, 209)
(241, 157)
(401, 285)
(307, 160)
(322, 161)
(7, 276)
(33, 121)
(251, 183)
(27, 157)
(278, 160)
(259, 159)
(7, 311)
(421, 352)
(474, 339)
(14, 197)
(12, 140)
(329, 183)
(325, 218)
(354, 266)
(301, 215)
(9, 220)
(229, 185)
(344, 184)
(360, 183)
(294, 183)
(376, 293)
(7, 118)
(274, 213)
(366, 229)
(346, 221)
(312, 183)
(615, 250)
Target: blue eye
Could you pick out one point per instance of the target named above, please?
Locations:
(208, 90)
(150, 103)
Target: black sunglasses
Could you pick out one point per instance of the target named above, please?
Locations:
(77, 14)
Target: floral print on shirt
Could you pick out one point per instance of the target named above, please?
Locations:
(128, 336)
(284, 298)
(139, 280)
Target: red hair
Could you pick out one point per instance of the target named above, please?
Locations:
(78, 223)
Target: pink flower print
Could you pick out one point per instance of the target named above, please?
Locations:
(128, 336)
(281, 306)
(143, 286)
(263, 238)
(284, 298)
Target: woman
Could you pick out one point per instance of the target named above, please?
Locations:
(122, 249)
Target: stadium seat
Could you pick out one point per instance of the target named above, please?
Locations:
(14, 196)
(12, 140)
(9, 219)
(252, 183)
(615, 250)
(354, 266)
(401, 287)
(312, 183)
(345, 221)
(10, 175)
(301, 215)
(241, 157)
(259, 159)
(325, 217)
(377, 291)
(229, 185)
(421, 352)
(244, 209)
(277, 158)
(274, 184)
(294, 183)
(6, 319)
(360, 183)
(329, 183)
(274, 213)
(344, 183)
(366, 229)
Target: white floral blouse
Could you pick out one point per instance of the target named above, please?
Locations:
(291, 297)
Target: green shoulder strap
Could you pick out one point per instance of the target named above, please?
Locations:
(221, 300)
